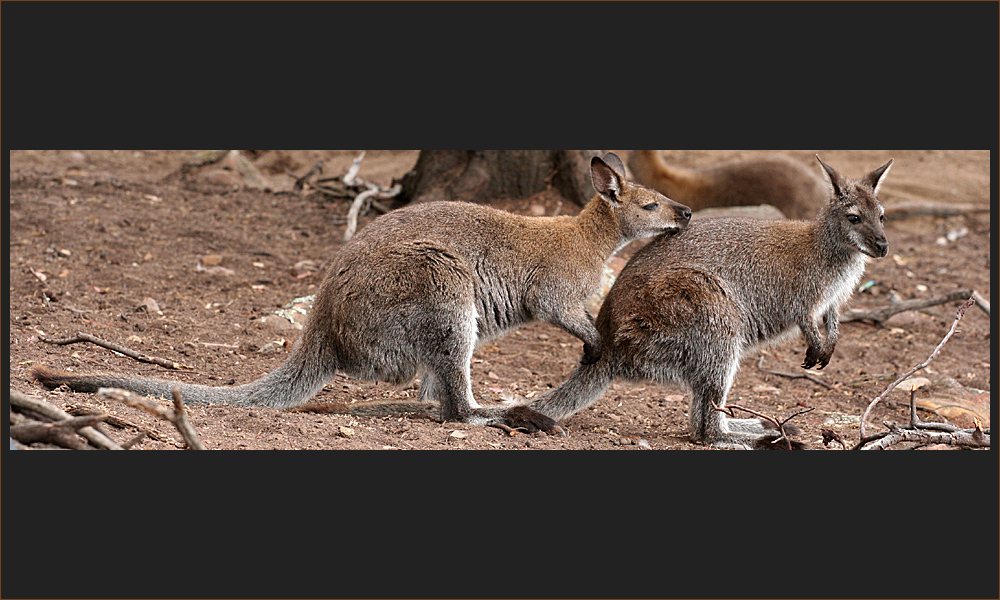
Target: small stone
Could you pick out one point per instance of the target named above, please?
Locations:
(345, 432)
(272, 347)
(211, 260)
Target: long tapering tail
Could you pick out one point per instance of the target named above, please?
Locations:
(291, 384)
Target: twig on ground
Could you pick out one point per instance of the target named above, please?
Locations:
(132, 442)
(981, 302)
(904, 376)
(809, 376)
(348, 178)
(779, 425)
(301, 181)
(45, 409)
(86, 337)
(173, 415)
(117, 422)
(881, 314)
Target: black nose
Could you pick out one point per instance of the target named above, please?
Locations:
(683, 212)
(882, 246)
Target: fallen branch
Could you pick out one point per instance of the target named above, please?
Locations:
(47, 410)
(362, 200)
(58, 433)
(880, 315)
(884, 394)
(925, 433)
(86, 337)
(174, 415)
(809, 376)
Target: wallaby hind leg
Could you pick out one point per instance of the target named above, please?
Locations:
(712, 426)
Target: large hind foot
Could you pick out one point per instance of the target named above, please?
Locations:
(530, 421)
(515, 418)
(751, 434)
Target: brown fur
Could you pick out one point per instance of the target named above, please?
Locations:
(776, 180)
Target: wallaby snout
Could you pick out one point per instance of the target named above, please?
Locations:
(683, 213)
(882, 247)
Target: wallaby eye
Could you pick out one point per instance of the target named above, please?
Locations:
(881, 218)
(854, 218)
(652, 206)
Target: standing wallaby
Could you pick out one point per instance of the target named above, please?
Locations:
(420, 287)
(688, 306)
(776, 180)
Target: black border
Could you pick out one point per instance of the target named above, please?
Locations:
(711, 75)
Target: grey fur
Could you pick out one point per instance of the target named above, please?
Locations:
(688, 306)
(420, 287)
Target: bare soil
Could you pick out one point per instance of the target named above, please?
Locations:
(95, 235)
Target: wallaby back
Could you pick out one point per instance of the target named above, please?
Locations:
(420, 287)
(776, 180)
(688, 306)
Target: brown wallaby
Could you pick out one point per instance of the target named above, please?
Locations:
(688, 306)
(777, 180)
(420, 287)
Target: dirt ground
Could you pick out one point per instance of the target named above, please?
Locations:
(193, 269)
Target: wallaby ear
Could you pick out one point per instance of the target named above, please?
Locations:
(834, 177)
(875, 178)
(615, 162)
(607, 181)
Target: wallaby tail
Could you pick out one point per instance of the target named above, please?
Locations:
(584, 387)
(291, 384)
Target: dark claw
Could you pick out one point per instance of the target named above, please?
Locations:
(530, 421)
(817, 357)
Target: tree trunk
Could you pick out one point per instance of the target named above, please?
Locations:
(486, 175)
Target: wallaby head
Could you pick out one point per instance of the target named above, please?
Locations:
(641, 211)
(854, 211)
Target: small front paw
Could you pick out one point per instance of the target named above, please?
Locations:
(817, 357)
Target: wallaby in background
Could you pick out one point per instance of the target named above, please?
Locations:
(421, 286)
(688, 306)
(779, 181)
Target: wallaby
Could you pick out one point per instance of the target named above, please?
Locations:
(421, 286)
(776, 180)
(688, 306)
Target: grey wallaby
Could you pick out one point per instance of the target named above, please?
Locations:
(777, 180)
(421, 286)
(688, 306)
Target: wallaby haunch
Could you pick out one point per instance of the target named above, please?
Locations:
(420, 287)
(776, 180)
(687, 307)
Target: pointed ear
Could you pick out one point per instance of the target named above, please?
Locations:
(835, 179)
(875, 178)
(607, 182)
(615, 163)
